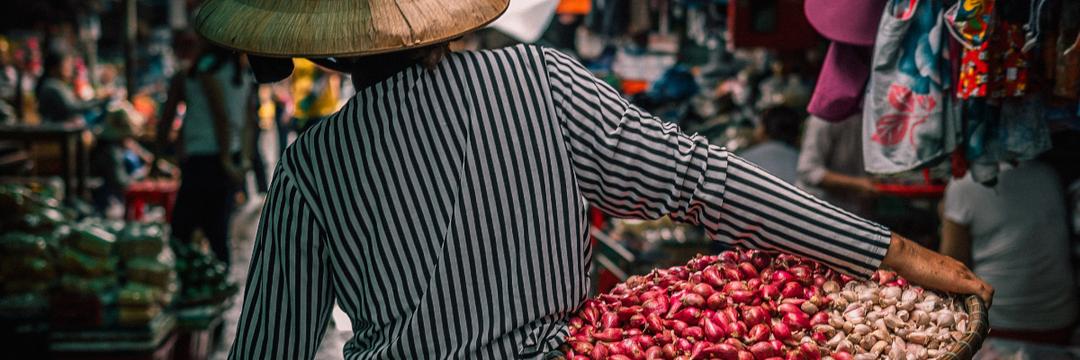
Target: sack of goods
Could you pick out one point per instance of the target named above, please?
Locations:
(749, 304)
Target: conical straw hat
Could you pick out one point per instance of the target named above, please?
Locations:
(325, 28)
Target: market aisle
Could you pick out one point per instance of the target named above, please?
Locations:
(245, 225)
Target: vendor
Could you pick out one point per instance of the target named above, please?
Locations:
(443, 208)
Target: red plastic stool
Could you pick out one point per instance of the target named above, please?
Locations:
(160, 192)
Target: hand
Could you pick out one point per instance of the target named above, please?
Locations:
(865, 186)
(235, 174)
(935, 271)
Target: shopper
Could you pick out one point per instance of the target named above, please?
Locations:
(831, 165)
(776, 138)
(443, 207)
(57, 102)
(1015, 235)
(215, 90)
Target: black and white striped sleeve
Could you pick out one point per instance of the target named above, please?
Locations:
(629, 163)
(289, 294)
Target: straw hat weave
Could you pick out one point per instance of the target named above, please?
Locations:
(325, 28)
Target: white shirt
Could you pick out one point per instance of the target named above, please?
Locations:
(777, 158)
(1020, 245)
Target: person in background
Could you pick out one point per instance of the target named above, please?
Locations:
(831, 165)
(776, 139)
(216, 90)
(108, 157)
(10, 85)
(1015, 235)
(57, 102)
(315, 92)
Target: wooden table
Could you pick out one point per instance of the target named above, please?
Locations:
(73, 154)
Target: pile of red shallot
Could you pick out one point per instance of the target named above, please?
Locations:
(750, 304)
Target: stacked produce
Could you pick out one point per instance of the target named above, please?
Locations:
(149, 273)
(203, 279)
(749, 304)
(88, 279)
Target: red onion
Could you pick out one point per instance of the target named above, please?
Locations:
(636, 320)
(788, 308)
(689, 315)
(693, 299)
(802, 274)
(792, 289)
(619, 357)
(609, 335)
(842, 355)
(713, 331)
(754, 315)
(609, 320)
(820, 318)
(745, 355)
(599, 351)
(723, 351)
(712, 276)
(741, 296)
(645, 341)
(654, 353)
(677, 325)
(748, 270)
(683, 345)
(753, 284)
(693, 332)
(654, 322)
(810, 351)
(759, 332)
(705, 290)
(781, 277)
(781, 331)
(797, 320)
(762, 350)
(669, 351)
(770, 291)
(737, 329)
(729, 256)
(716, 300)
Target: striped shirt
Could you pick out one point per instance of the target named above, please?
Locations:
(444, 210)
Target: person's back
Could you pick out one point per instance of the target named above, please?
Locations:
(1019, 244)
(197, 133)
(776, 157)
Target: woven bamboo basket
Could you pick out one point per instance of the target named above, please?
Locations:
(978, 328)
(965, 349)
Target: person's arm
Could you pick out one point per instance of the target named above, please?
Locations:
(838, 181)
(630, 164)
(956, 241)
(289, 292)
(168, 113)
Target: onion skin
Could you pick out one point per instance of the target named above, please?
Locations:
(792, 290)
(781, 331)
(797, 320)
(716, 301)
(693, 299)
(703, 289)
(693, 332)
(759, 332)
(754, 315)
(599, 351)
(762, 350)
(654, 353)
(609, 335)
(609, 320)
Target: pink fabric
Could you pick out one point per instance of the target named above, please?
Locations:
(839, 90)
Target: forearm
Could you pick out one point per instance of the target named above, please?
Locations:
(837, 181)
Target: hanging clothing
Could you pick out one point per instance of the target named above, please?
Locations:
(905, 122)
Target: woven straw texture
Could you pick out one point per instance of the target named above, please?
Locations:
(978, 328)
(324, 28)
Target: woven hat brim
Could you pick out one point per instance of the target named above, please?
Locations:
(339, 28)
